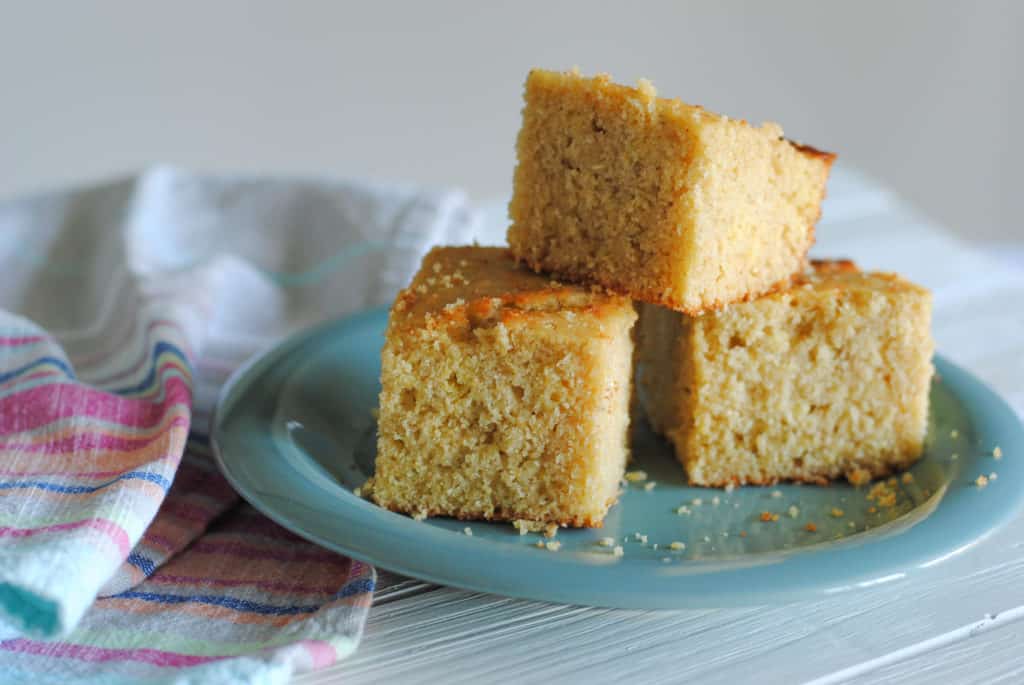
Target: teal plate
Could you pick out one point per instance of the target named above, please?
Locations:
(294, 433)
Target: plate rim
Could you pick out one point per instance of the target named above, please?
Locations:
(801, 562)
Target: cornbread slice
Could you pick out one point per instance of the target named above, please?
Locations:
(828, 378)
(663, 201)
(505, 395)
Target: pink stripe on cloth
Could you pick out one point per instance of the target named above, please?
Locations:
(20, 340)
(35, 407)
(115, 532)
(151, 538)
(55, 470)
(156, 657)
(92, 441)
(188, 510)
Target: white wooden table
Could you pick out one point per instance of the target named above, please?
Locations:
(958, 622)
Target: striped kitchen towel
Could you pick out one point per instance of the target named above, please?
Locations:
(124, 555)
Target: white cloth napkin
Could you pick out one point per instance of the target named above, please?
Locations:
(124, 555)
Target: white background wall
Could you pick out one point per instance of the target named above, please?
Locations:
(926, 96)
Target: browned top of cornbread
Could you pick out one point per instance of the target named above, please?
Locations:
(646, 96)
(844, 275)
(479, 286)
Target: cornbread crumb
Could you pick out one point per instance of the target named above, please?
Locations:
(539, 544)
(776, 494)
(617, 551)
(667, 202)
(907, 478)
(836, 512)
(683, 510)
(511, 405)
(636, 476)
(794, 511)
(992, 476)
(553, 545)
(851, 524)
(707, 538)
(642, 539)
(358, 492)
(649, 485)
(872, 510)
(606, 542)
(697, 501)
(419, 515)
(851, 355)
(715, 501)
(730, 487)
(769, 517)
(859, 476)
(811, 528)
(954, 433)
(883, 494)
(997, 453)
(954, 456)
(468, 531)
(677, 546)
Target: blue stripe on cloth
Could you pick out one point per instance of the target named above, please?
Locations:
(142, 563)
(81, 489)
(219, 600)
(158, 349)
(354, 588)
(38, 362)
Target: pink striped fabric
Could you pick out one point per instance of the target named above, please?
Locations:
(124, 554)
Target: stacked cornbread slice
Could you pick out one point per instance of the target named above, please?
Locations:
(506, 387)
(826, 378)
(505, 394)
(660, 200)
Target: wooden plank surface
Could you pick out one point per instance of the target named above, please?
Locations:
(961, 621)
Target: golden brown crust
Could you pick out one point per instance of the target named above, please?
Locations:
(574, 522)
(827, 157)
(658, 298)
(476, 286)
(860, 475)
(832, 266)
(843, 276)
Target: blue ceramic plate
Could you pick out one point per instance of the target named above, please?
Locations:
(295, 434)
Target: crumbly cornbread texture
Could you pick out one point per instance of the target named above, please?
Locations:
(827, 378)
(666, 202)
(505, 395)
